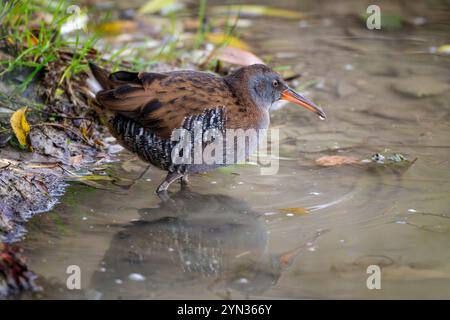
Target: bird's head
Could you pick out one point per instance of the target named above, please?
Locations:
(264, 86)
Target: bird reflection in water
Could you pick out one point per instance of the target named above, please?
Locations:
(192, 243)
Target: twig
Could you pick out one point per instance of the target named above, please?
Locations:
(65, 128)
(4, 167)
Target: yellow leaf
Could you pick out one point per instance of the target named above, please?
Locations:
(59, 92)
(297, 211)
(91, 177)
(259, 10)
(9, 40)
(84, 133)
(20, 126)
(117, 27)
(444, 49)
(154, 6)
(221, 38)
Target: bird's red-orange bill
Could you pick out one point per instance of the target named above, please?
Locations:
(292, 96)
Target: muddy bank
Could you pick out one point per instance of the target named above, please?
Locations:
(34, 175)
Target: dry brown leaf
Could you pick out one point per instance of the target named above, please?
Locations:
(330, 161)
(76, 160)
(238, 56)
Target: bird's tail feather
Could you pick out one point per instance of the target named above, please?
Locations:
(100, 79)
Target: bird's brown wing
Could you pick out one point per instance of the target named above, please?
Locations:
(161, 101)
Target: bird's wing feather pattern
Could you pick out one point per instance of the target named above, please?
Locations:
(161, 101)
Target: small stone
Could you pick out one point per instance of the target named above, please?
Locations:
(136, 277)
(422, 86)
(348, 67)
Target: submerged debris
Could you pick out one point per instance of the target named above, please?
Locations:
(389, 159)
(330, 161)
(384, 160)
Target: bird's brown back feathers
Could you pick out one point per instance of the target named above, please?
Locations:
(161, 101)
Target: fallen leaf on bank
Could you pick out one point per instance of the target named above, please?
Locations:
(84, 132)
(221, 38)
(20, 126)
(117, 27)
(76, 160)
(299, 211)
(91, 177)
(91, 180)
(258, 10)
(154, 6)
(238, 56)
(329, 161)
(42, 165)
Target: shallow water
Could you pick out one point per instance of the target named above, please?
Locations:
(228, 238)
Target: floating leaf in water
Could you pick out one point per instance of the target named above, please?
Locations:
(20, 126)
(329, 161)
(238, 56)
(299, 211)
(258, 10)
(154, 6)
(222, 38)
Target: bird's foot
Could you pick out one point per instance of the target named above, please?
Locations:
(171, 177)
(185, 183)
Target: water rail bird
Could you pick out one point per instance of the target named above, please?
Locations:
(143, 109)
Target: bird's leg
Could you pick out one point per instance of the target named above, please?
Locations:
(185, 182)
(171, 177)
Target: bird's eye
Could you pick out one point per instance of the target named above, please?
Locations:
(275, 83)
